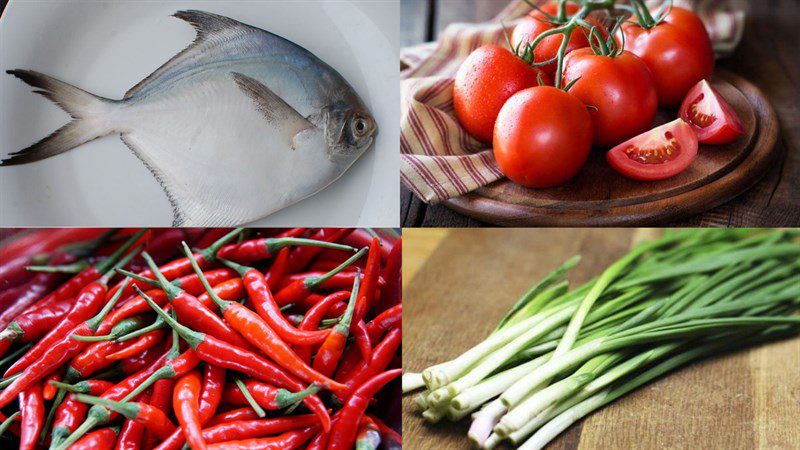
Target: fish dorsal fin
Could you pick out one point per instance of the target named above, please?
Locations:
(274, 109)
(211, 29)
(212, 26)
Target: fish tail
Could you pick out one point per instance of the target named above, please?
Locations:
(89, 112)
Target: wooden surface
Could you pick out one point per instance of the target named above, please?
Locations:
(749, 399)
(767, 56)
(599, 196)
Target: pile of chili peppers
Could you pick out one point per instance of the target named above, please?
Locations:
(200, 338)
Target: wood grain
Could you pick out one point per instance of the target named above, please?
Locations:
(767, 57)
(748, 399)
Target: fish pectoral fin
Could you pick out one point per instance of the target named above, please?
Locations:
(274, 109)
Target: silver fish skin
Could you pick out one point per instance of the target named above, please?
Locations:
(240, 124)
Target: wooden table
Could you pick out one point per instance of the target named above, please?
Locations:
(748, 399)
(767, 56)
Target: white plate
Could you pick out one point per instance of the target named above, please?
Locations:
(105, 47)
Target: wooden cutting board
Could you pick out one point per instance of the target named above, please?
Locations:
(599, 196)
(744, 400)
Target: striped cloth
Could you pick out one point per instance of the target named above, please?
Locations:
(439, 159)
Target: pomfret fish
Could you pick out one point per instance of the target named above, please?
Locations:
(240, 124)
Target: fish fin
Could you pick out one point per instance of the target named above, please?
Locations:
(274, 109)
(210, 25)
(82, 106)
(210, 28)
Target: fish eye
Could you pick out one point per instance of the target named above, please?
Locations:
(360, 126)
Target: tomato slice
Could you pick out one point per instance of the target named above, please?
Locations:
(660, 153)
(710, 116)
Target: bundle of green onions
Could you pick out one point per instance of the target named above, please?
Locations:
(558, 354)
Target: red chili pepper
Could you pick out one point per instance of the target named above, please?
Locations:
(70, 413)
(208, 237)
(327, 265)
(55, 356)
(390, 439)
(14, 272)
(289, 440)
(46, 241)
(381, 358)
(371, 274)
(102, 439)
(186, 403)
(291, 232)
(391, 294)
(217, 352)
(170, 365)
(300, 289)
(152, 418)
(16, 301)
(161, 398)
(343, 432)
(266, 396)
(180, 267)
(135, 305)
(93, 358)
(261, 297)
(259, 333)
(278, 268)
(341, 281)
(141, 344)
(193, 313)
(363, 341)
(35, 322)
(235, 415)
(328, 355)
(248, 429)
(361, 237)
(188, 283)
(141, 361)
(90, 299)
(48, 390)
(301, 256)
(131, 436)
(132, 433)
(213, 387)
(31, 404)
(312, 319)
(231, 290)
(191, 284)
(263, 248)
(384, 321)
(368, 436)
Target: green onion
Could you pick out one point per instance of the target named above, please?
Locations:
(557, 355)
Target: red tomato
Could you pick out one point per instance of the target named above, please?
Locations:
(621, 88)
(710, 116)
(537, 23)
(542, 137)
(486, 79)
(660, 153)
(677, 51)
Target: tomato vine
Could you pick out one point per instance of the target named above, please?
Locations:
(567, 25)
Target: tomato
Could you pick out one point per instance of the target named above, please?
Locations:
(621, 88)
(486, 79)
(542, 137)
(660, 153)
(710, 116)
(537, 23)
(678, 52)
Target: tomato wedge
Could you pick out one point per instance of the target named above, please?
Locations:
(710, 116)
(660, 153)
